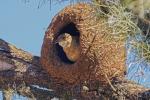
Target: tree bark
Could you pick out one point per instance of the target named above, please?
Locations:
(26, 68)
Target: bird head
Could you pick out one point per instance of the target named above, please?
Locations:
(64, 40)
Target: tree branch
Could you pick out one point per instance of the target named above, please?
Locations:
(24, 68)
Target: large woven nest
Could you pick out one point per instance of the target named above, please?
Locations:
(101, 58)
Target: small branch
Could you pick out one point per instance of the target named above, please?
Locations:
(110, 83)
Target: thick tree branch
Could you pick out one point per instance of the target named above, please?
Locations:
(26, 67)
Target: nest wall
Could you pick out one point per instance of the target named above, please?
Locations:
(100, 56)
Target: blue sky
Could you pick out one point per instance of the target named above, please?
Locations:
(24, 25)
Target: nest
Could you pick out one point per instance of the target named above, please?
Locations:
(102, 56)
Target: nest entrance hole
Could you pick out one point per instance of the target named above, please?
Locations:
(73, 31)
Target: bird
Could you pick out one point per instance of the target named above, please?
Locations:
(136, 6)
(70, 45)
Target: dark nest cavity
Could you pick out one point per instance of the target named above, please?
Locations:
(73, 31)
